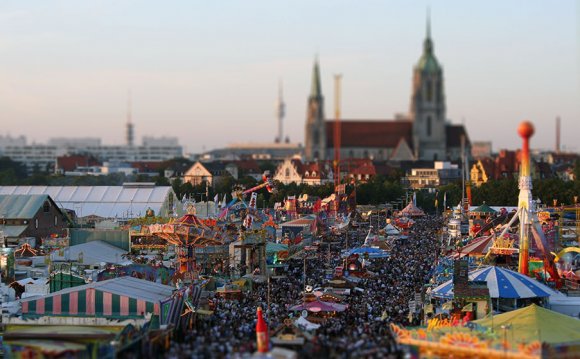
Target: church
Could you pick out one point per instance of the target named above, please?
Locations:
(424, 134)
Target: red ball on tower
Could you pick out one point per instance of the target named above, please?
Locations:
(526, 129)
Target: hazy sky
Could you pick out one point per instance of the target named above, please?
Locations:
(208, 71)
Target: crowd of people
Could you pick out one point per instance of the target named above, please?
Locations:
(362, 330)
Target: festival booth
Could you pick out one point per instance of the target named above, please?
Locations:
(229, 292)
(306, 226)
(479, 217)
(507, 289)
(304, 324)
(390, 230)
(298, 233)
(536, 324)
(411, 211)
(276, 254)
(316, 309)
(248, 253)
(67, 341)
(526, 333)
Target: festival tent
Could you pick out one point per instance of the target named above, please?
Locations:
(483, 209)
(477, 247)
(534, 323)
(122, 297)
(502, 283)
(319, 306)
(412, 211)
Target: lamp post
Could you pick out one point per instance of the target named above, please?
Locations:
(505, 327)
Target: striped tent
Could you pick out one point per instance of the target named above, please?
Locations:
(502, 283)
(122, 297)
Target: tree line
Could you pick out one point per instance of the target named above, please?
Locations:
(378, 190)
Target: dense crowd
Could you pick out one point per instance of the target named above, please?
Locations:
(360, 331)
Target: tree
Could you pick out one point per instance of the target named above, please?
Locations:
(176, 185)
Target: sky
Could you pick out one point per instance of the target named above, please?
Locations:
(207, 72)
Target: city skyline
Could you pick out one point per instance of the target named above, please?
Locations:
(208, 74)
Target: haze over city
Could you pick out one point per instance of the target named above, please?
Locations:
(208, 72)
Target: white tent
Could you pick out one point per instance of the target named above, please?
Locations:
(391, 230)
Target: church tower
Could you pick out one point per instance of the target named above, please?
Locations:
(315, 141)
(428, 105)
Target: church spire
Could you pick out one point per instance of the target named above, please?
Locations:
(428, 43)
(316, 90)
(428, 22)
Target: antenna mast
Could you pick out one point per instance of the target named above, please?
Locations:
(130, 129)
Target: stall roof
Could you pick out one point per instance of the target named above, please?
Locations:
(13, 231)
(125, 286)
(21, 206)
(94, 252)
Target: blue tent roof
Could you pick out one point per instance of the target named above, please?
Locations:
(502, 283)
(372, 252)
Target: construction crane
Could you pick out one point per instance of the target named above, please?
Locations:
(337, 132)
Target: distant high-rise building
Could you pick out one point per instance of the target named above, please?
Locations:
(74, 142)
(6, 141)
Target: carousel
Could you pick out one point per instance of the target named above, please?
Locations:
(186, 234)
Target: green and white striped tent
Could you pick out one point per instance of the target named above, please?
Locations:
(117, 298)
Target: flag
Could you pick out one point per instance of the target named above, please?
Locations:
(224, 201)
(447, 305)
(445, 201)
(253, 200)
(468, 308)
(216, 198)
(415, 199)
(429, 308)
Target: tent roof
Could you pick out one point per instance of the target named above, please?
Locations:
(484, 208)
(478, 246)
(319, 306)
(275, 247)
(390, 229)
(125, 286)
(535, 323)
(502, 283)
(94, 252)
(412, 210)
(21, 206)
(101, 201)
